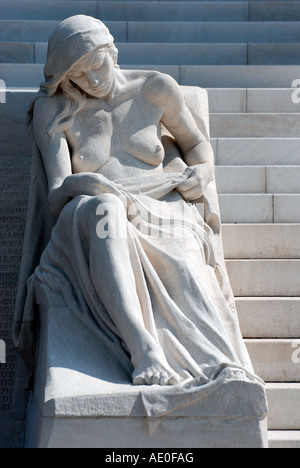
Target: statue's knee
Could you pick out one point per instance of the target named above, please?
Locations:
(101, 202)
(109, 204)
(104, 215)
(111, 217)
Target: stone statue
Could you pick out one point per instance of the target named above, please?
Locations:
(129, 251)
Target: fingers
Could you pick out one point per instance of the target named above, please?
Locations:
(192, 194)
(189, 184)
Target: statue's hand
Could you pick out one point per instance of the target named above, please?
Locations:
(193, 188)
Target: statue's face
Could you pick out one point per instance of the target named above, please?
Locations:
(94, 73)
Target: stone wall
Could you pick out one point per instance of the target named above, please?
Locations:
(14, 181)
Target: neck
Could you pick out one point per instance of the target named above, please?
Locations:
(118, 86)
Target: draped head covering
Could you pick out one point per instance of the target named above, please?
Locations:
(70, 41)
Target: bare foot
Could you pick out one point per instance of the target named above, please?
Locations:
(154, 370)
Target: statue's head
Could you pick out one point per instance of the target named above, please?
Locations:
(81, 60)
(78, 43)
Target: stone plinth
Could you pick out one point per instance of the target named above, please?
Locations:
(83, 399)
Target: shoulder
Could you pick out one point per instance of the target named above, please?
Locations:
(45, 110)
(163, 89)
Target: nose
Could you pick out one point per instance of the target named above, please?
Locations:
(93, 78)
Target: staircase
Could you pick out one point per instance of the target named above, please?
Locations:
(247, 54)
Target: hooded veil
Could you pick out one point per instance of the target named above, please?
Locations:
(51, 261)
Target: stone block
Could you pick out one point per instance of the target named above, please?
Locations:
(265, 317)
(284, 439)
(258, 151)
(274, 11)
(240, 179)
(84, 400)
(227, 100)
(239, 76)
(273, 54)
(272, 360)
(16, 52)
(242, 241)
(264, 278)
(40, 52)
(173, 11)
(180, 54)
(284, 406)
(249, 208)
(40, 31)
(22, 75)
(255, 125)
(45, 10)
(215, 32)
(287, 208)
(283, 179)
(271, 100)
(15, 139)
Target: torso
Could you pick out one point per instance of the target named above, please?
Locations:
(119, 139)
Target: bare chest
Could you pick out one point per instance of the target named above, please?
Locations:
(128, 132)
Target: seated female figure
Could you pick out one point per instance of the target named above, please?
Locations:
(97, 128)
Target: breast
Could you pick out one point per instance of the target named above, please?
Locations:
(90, 157)
(146, 146)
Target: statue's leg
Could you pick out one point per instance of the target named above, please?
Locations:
(113, 279)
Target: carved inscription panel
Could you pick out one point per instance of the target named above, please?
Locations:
(14, 184)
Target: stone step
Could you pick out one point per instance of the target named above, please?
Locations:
(241, 179)
(258, 179)
(254, 100)
(172, 54)
(248, 32)
(284, 407)
(40, 31)
(260, 208)
(255, 125)
(261, 241)
(207, 76)
(154, 10)
(240, 76)
(257, 151)
(265, 278)
(273, 54)
(166, 32)
(284, 439)
(128, 11)
(286, 208)
(276, 360)
(274, 10)
(141, 54)
(269, 317)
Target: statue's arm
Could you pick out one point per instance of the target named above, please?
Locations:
(197, 151)
(55, 152)
(63, 185)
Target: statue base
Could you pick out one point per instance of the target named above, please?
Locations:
(82, 399)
